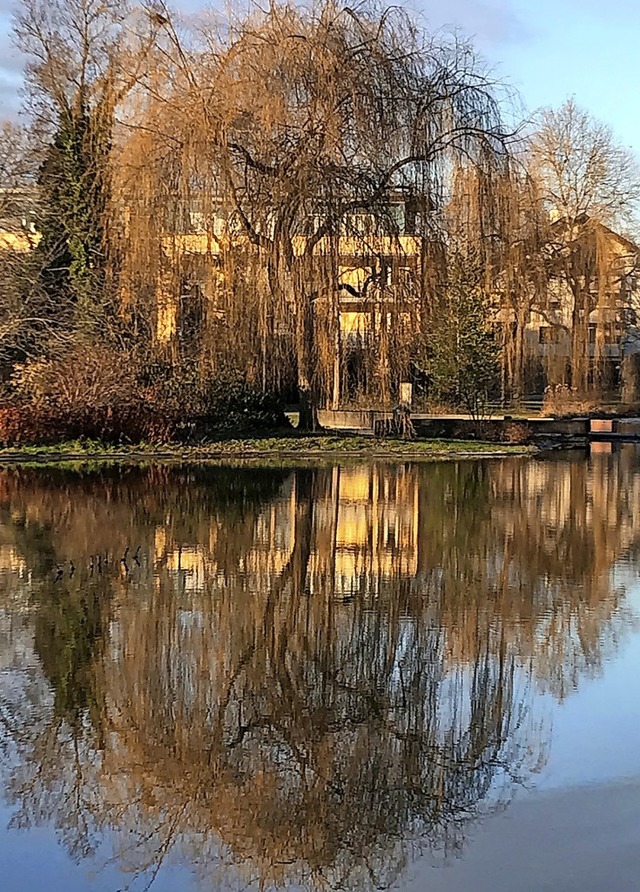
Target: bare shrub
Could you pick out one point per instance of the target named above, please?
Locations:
(517, 433)
(92, 392)
(561, 400)
(88, 377)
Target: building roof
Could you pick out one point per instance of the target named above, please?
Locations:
(584, 221)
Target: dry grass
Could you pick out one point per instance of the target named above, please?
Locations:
(325, 447)
(562, 401)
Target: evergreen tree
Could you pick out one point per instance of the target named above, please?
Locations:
(74, 193)
(462, 355)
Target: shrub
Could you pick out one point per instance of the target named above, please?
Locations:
(200, 409)
(236, 405)
(87, 377)
(95, 393)
(22, 425)
(91, 392)
(517, 433)
(561, 400)
(514, 433)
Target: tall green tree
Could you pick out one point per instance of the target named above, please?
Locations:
(462, 355)
(83, 57)
(74, 183)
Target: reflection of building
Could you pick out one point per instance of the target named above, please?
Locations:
(12, 561)
(577, 502)
(364, 533)
(376, 527)
(266, 555)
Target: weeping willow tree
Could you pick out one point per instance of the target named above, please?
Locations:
(590, 263)
(288, 163)
(522, 279)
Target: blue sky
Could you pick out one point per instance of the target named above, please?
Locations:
(547, 49)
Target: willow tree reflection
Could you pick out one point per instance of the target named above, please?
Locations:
(309, 673)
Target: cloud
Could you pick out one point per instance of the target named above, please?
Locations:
(11, 65)
(490, 22)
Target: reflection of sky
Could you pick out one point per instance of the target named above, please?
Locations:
(596, 731)
(36, 861)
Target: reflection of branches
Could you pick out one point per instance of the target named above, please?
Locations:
(319, 742)
(56, 781)
(251, 718)
(161, 851)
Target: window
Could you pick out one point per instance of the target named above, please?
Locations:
(405, 277)
(360, 224)
(609, 334)
(548, 334)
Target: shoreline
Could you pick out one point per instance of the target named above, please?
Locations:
(264, 449)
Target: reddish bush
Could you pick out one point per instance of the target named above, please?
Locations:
(91, 392)
(22, 425)
(95, 393)
(129, 423)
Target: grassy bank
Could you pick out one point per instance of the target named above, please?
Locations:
(289, 446)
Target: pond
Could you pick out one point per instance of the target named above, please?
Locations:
(388, 675)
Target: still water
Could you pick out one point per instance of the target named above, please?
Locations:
(394, 675)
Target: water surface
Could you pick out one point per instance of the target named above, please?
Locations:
(392, 675)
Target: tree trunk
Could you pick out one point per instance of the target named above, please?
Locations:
(631, 379)
(579, 342)
(304, 353)
(517, 384)
(384, 366)
(335, 396)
